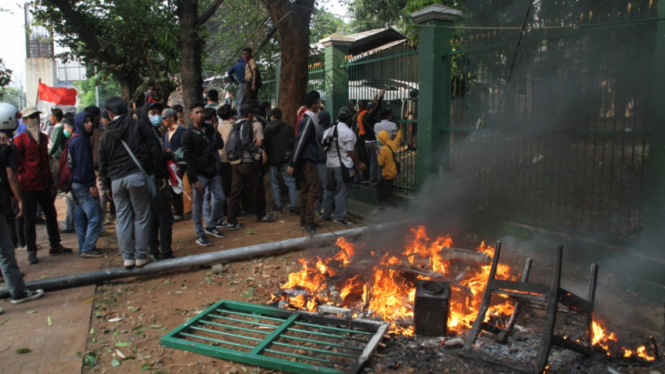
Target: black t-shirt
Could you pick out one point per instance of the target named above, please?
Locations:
(8, 159)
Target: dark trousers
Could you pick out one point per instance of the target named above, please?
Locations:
(244, 176)
(178, 205)
(309, 192)
(249, 94)
(10, 217)
(161, 224)
(227, 177)
(362, 155)
(384, 192)
(43, 198)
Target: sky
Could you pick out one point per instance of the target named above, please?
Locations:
(12, 39)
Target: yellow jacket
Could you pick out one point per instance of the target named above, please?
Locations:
(385, 157)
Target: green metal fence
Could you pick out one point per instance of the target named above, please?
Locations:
(316, 80)
(394, 70)
(268, 92)
(565, 143)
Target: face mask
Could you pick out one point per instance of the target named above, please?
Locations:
(66, 133)
(156, 120)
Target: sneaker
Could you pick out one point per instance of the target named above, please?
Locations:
(166, 256)
(27, 295)
(59, 251)
(141, 262)
(128, 264)
(310, 229)
(67, 231)
(178, 218)
(232, 226)
(221, 226)
(203, 242)
(32, 258)
(293, 209)
(24, 248)
(95, 253)
(266, 218)
(275, 208)
(214, 232)
(343, 222)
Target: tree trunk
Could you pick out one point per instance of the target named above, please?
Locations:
(293, 30)
(190, 45)
(128, 86)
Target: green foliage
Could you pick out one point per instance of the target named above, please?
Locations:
(132, 39)
(87, 93)
(323, 24)
(5, 78)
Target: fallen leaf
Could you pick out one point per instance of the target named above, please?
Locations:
(116, 319)
(119, 354)
(31, 312)
(146, 366)
(162, 329)
(23, 350)
(122, 344)
(48, 320)
(115, 363)
(155, 326)
(3, 322)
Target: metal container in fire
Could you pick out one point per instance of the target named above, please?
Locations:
(431, 308)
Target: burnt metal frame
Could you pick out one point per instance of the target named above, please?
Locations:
(537, 296)
(372, 329)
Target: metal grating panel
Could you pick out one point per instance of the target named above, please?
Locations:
(292, 341)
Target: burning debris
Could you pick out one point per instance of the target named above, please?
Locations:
(353, 281)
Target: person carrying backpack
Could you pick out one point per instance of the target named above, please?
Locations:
(245, 158)
(200, 141)
(87, 211)
(387, 159)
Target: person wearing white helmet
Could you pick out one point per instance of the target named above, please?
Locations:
(10, 271)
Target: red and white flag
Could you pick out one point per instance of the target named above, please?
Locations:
(55, 97)
(174, 179)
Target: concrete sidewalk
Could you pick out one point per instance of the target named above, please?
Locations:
(55, 348)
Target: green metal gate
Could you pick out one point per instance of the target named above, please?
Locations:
(565, 143)
(293, 341)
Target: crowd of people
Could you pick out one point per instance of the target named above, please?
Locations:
(129, 162)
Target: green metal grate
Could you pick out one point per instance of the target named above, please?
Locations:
(292, 341)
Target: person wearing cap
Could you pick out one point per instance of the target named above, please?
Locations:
(36, 180)
(10, 271)
(340, 156)
(161, 215)
(84, 187)
(279, 140)
(172, 143)
(126, 182)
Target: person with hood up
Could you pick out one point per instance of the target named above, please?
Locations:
(126, 179)
(36, 180)
(279, 140)
(87, 211)
(387, 162)
(10, 271)
(239, 71)
(161, 215)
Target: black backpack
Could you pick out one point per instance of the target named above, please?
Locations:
(234, 151)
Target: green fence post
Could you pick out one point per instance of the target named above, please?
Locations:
(336, 81)
(434, 96)
(277, 58)
(654, 235)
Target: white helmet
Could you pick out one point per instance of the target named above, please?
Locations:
(8, 117)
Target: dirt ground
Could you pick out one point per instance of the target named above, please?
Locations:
(131, 315)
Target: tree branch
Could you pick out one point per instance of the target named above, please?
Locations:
(212, 8)
(86, 34)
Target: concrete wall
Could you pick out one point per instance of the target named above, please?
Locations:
(35, 69)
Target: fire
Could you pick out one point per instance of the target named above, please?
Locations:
(385, 292)
(600, 339)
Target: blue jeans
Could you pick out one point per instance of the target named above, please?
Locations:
(213, 184)
(132, 211)
(69, 218)
(8, 265)
(373, 162)
(340, 196)
(209, 202)
(290, 184)
(88, 217)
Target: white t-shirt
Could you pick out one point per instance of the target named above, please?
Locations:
(346, 139)
(387, 126)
